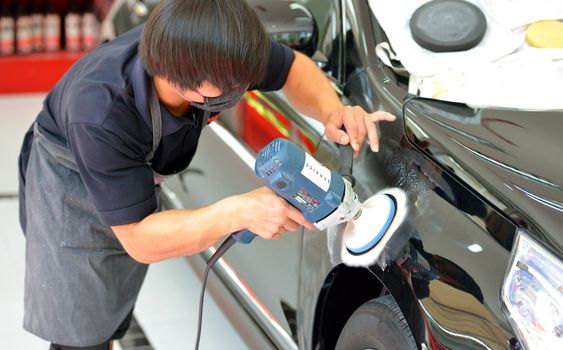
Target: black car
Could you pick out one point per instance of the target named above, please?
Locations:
(478, 263)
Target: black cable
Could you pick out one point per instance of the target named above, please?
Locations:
(408, 99)
(228, 243)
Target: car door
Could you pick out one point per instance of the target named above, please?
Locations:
(263, 275)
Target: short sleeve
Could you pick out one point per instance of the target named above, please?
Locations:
(117, 178)
(279, 63)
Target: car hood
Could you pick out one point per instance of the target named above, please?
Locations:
(511, 157)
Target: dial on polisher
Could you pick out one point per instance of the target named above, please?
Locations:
(327, 199)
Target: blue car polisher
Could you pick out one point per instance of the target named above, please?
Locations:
(327, 199)
(367, 234)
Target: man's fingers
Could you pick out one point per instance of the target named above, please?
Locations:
(360, 116)
(309, 225)
(382, 116)
(342, 137)
(351, 125)
(291, 225)
(372, 129)
(372, 135)
(298, 218)
(333, 132)
(357, 124)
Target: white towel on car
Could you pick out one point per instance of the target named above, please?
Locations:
(531, 79)
(502, 71)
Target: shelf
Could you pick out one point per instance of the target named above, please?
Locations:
(37, 72)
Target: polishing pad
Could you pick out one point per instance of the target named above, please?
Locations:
(448, 25)
(376, 215)
(366, 236)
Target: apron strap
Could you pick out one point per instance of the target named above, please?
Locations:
(156, 119)
(206, 119)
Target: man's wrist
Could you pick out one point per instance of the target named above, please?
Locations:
(228, 210)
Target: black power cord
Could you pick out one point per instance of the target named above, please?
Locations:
(228, 243)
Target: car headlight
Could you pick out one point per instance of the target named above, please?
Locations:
(532, 295)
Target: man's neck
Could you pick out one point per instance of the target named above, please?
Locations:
(169, 97)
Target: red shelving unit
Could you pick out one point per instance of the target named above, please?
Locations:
(39, 72)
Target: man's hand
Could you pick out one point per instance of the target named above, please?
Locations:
(357, 124)
(311, 93)
(268, 215)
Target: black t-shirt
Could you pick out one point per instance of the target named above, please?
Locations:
(100, 111)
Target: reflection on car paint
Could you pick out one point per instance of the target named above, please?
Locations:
(499, 153)
(260, 122)
(488, 122)
(512, 169)
(553, 204)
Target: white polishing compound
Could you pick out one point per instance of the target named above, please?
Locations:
(366, 236)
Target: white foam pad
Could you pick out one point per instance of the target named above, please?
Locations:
(375, 213)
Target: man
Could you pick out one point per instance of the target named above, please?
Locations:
(125, 114)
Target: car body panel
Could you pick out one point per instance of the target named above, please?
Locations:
(472, 179)
(499, 150)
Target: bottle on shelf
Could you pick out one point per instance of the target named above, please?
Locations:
(90, 29)
(37, 19)
(52, 30)
(24, 31)
(7, 31)
(72, 29)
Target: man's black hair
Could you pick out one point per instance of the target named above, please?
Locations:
(222, 42)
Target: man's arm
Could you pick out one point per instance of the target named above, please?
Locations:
(173, 233)
(312, 94)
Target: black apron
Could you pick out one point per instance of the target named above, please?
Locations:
(80, 284)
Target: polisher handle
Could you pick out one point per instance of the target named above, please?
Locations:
(244, 236)
(346, 159)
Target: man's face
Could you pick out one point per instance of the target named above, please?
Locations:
(209, 98)
(206, 90)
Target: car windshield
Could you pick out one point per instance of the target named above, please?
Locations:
(517, 62)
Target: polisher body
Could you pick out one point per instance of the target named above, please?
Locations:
(323, 196)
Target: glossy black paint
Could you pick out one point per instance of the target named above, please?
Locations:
(473, 177)
(481, 191)
(514, 154)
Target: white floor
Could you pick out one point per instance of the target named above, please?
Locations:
(167, 305)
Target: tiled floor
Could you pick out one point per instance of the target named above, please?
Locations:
(167, 306)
